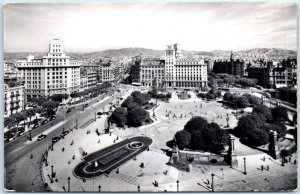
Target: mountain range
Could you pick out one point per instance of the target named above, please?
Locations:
(133, 51)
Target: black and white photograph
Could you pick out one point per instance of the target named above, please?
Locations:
(150, 96)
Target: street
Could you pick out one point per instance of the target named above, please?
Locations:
(23, 173)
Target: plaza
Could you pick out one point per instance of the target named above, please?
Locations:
(143, 170)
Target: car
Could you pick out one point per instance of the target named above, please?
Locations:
(44, 122)
(35, 126)
(86, 105)
(52, 118)
(55, 139)
(69, 110)
(8, 136)
(41, 137)
(99, 113)
(64, 133)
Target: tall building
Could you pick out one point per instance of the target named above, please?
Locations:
(183, 72)
(152, 72)
(172, 71)
(107, 73)
(52, 74)
(136, 69)
(14, 100)
(233, 67)
(270, 76)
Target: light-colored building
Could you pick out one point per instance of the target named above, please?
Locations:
(14, 100)
(53, 74)
(172, 71)
(83, 83)
(107, 73)
(183, 72)
(152, 72)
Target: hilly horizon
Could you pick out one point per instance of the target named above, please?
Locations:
(133, 51)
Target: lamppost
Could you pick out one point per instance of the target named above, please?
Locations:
(99, 188)
(245, 172)
(227, 119)
(52, 171)
(222, 173)
(69, 184)
(52, 146)
(177, 185)
(30, 138)
(212, 182)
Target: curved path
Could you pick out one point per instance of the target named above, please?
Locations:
(105, 160)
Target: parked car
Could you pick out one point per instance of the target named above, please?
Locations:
(55, 139)
(44, 122)
(86, 105)
(69, 110)
(64, 133)
(52, 118)
(8, 136)
(99, 113)
(41, 137)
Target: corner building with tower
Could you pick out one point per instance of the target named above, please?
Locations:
(172, 71)
(52, 74)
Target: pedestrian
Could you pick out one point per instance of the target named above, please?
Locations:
(290, 158)
(31, 156)
(267, 168)
(262, 167)
(295, 161)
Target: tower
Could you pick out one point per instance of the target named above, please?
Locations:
(273, 148)
(231, 152)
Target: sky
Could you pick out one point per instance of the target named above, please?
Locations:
(194, 26)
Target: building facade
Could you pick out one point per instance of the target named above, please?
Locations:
(233, 67)
(152, 72)
(172, 71)
(183, 72)
(14, 99)
(270, 76)
(53, 74)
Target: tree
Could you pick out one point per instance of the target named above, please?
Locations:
(119, 116)
(140, 99)
(196, 124)
(137, 116)
(280, 114)
(263, 111)
(245, 125)
(258, 137)
(135, 93)
(154, 90)
(75, 95)
(10, 121)
(133, 105)
(227, 96)
(205, 136)
(127, 101)
(276, 126)
(242, 102)
(30, 113)
(253, 100)
(59, 97)
(183, 139)
(49, 107)
(39, 101)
